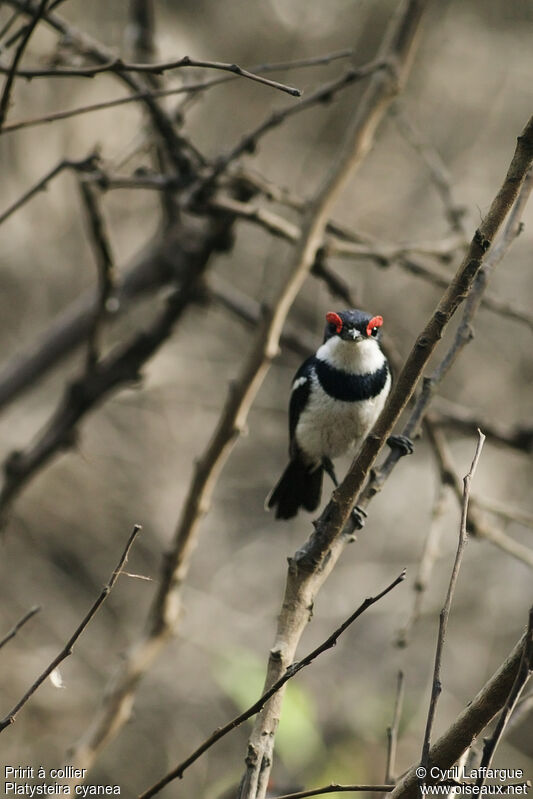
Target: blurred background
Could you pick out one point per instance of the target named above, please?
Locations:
(468, 97)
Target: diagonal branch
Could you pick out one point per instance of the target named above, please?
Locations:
(292, 670)
(469, 724)
(82, 165)
(69, 646)
(524, 673)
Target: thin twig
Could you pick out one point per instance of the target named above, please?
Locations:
(69, 646)
(436, 687)
(105, 267)
(6, 93)
(161, 68)
(290, 672)
(12, 633)
(118, 65)
(87, 164)
(468, 725)
(87, 109)
(524, 673)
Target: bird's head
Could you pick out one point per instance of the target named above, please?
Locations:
(352, 325)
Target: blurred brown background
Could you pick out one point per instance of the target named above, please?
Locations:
(469, 95)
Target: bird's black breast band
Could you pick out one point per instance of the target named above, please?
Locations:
(348, 387)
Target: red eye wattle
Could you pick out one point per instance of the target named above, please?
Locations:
(374, 323)
(334, 319)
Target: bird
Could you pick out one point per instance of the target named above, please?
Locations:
(336, 396)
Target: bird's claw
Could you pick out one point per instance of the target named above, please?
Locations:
(402, 443)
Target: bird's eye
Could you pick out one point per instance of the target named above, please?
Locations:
(374, 325)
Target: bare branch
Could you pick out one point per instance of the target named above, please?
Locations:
(11, 71)
(69, 646)
(436, 687)
(144, 95)
(524, 673)
(87, 164)
(118, 65)
(291, 671)
(104, 264)
(468, 725)
(184, 61)
(12, 633)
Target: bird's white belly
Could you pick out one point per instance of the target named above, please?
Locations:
(328, 427)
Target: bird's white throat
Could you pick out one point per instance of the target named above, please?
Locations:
(356, 357)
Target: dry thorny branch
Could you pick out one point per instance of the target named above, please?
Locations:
(202, 200)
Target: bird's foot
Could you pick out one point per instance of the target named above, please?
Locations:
(359, 516)
(402, 443)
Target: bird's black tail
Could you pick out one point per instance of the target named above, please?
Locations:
(298, 487)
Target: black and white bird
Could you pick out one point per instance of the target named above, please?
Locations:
(336, 397)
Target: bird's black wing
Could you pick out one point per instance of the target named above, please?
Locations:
(301, 388)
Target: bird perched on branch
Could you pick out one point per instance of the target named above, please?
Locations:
(336, 397)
